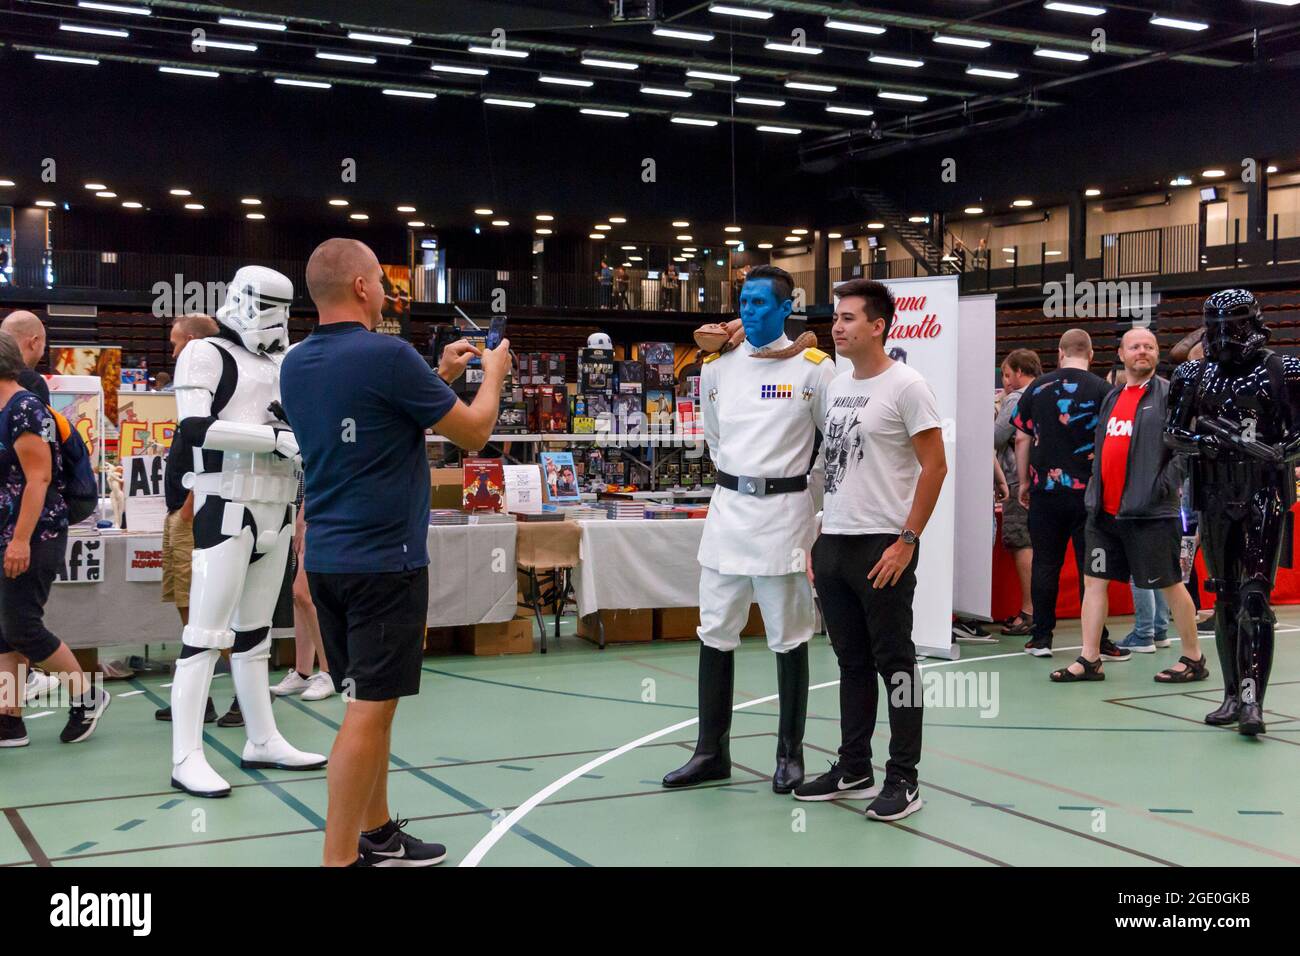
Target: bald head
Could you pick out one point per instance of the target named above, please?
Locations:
(1134, 334)
(1139, 351)
(29, 332)
(1076, 344)
(333, 269)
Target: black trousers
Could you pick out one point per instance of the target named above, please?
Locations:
(1055, 520)
(871, 631)
(22, 602)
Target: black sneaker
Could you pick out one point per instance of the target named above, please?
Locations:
(234, 717)
(897, 799)
(1206, 626)
(165, 713)
(82, 719)
(835, 784)
(970, 632)
(13, 732)
(1110, 651)
(1039, 647)
(400, 849)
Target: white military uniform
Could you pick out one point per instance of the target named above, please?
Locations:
(760, 421)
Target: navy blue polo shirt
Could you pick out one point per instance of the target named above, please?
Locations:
(358, 403)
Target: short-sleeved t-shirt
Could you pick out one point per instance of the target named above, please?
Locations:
(27, 413)
(358, 403)
(871, 466)
(1059, 413)
(1114, 450)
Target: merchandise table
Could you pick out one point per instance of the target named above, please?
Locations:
(638, 564)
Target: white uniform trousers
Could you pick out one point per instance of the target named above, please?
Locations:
(786, 601)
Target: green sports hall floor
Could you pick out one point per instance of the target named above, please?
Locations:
(1115, 773)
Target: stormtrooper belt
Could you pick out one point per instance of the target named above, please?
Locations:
(250, 489)
(747, 485)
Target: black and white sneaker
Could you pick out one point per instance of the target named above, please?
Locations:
(835, 784)
(400, 849)
(1110, 651)
(13, 732)
(897, 799)
(970, 632)
(1038, 648)
(83, 719)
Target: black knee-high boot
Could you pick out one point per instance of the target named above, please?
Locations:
(1226, 625)
(792, 688)
(712, 757)
(1254, 658)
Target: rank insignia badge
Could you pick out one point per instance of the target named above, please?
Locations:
(713, 394)
(776, 391)
(808, 393)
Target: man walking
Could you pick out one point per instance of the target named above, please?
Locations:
(1019, 370)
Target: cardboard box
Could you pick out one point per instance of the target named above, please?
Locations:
(621, 626)
(447, 488)
(489, 640)
(676, 623)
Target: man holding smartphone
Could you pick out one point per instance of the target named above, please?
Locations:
(359, 404)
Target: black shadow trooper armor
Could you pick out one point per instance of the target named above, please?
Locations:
(1237, 415)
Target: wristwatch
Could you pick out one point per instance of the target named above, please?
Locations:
(909, 536)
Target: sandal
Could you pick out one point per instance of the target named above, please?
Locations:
(1196, 670)
(1019, 626)
(1091, 671)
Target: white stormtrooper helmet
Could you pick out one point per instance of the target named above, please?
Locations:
(257, 308)
(599, 340)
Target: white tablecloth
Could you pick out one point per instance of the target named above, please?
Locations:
(638, 564)
(464, 588)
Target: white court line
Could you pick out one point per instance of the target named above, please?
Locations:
(130, 693)
(44, 713)
(518, 813)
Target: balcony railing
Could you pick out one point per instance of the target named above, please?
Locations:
(513, 288)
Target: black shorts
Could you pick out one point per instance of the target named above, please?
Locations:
(372, 626)
(1145, 550)
(22, 602)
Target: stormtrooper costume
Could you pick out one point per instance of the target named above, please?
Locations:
(244, 484)
(760, 424)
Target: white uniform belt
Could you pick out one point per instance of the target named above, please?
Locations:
(267, 489)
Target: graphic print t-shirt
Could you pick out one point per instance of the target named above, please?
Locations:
(26, 413)
(1059, 413)
(871, 467)
(1114, 450)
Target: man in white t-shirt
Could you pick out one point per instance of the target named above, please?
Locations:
(884, 465)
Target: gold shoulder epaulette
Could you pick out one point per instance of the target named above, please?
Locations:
(816, 356)
(711, 356)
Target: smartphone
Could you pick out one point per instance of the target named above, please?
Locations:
(496, 331)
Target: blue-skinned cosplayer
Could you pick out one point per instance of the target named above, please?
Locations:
(758, 405)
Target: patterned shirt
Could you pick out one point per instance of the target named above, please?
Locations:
(1059, 413)
(26, 413)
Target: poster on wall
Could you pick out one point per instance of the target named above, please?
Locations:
(396, 315)
(924, 336)
(144, 558)
(83, 561)
(147, 422)
(102, 361)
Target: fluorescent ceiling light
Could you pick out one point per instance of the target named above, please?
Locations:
(850, 110)
(680, 224)
(1177, 23)
(799, 232)
(500, 222)
(179, 192)
(895, 61)
(1092, 192)
(725, 10)
(45, 203)
(379, 38)
(519, 104)
(905, 97)
(731, 242)
(1053, 252)
(359, 216)
(346, 57)
(251, 24)
(787, 130)
(106, 194)
(182, 71)
(684, 238)
(1180, 181)
(96, 186)
(608, 64)
(962, 41)
(791, 48)
(226, 45)
(620, 114)
(661, 91)
(812, 87)
(338, 202)
(1273, 169)
(973, 210)
(1079, 8)
(1010, 249)
(250, 201)
(97, 31)
(310, 84)
(1060, 55)
(731, 229)
(413, 94)
(850, 27)
(995, 74)
(115, 8)
(603, 227)
(708, 75)
(565, 81)
(196, 206)
(132, 205)
(484, 211)
(918, 219)
(1214, 173)
(498, 51)
(543, 232)
(678, 34)
(595, 235)
(688, 248)
(619, 220)
(1022, 203)
(467, 70)
(765, 245)
(406, 209)
(6, 182)
(255, 215)
(759, 101)
(793, 239)
(875, 225)
(691, 121)
(81, 60)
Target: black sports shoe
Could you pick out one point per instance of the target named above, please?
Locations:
(1110, 651)
(82, 719)
(234, 717)
(970, 632)
(13, 732)
(165, 713)
(1039, 647)
(897, 799)
(1206, 626)
(835, 784)
(400, 849)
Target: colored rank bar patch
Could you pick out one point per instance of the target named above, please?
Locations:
(777, 391)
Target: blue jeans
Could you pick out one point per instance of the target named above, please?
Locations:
(1151, 613)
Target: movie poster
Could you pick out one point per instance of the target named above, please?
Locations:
(395, 319)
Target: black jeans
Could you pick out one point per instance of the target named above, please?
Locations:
(871, 631)
(22, 602)
(1055, 520)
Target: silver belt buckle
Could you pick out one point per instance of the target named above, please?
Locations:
(751, 486)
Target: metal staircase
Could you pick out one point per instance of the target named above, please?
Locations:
(915, 237)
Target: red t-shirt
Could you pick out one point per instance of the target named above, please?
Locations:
(1114, 451)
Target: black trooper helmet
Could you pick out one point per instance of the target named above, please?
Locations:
(1234, 326)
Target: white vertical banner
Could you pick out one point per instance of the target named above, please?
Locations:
(924, 335)
(977, 345)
